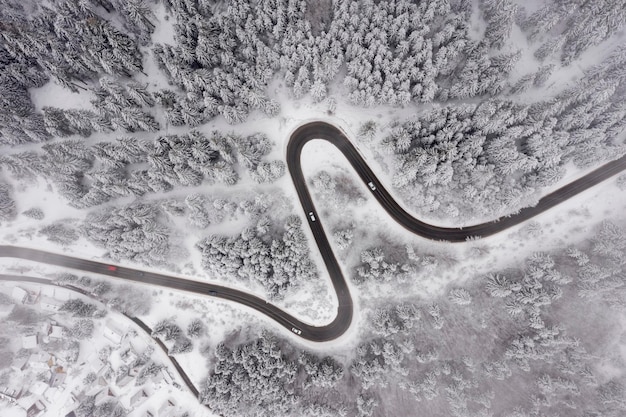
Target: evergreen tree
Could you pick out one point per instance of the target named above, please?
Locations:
(7, 204)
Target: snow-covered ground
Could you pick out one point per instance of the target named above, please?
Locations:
(570, 221)
(314, 302)
(293, 114)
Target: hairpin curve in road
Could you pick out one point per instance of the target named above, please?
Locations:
(343, 319)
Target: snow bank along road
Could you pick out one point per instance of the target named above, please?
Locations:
(330, 133)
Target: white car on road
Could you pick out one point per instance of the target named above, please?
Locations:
(312, 216)
(296, 331)
(372, 186)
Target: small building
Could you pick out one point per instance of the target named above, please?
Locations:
(36, 409)
(19, 294)
(112, 332)
(104, 396)
(96, 364)
(97, 386)
(168, 408)
(123, 380)
(30, 341)
(77, 395)
(56, 332)
(38, 388)
(41, 361)
(60, 362)
(11, 394)
(167, 377)
(19, 364)
(58, 376)
(139, 397)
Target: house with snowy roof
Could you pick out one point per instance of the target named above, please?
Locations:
(58, 376)
(38, 388)
(56, 332)
(96, 364)
(137, 398)
(112, 332)
(98, 385)
(11, 393)
(36, 409)
(19, 294)
(19, 364)
(123, 380)
(104, 396)
(41, 361)
(168, 408)
(30, 341)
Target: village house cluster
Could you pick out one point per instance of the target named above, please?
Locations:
(121, 372)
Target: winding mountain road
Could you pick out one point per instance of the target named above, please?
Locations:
(343, 319)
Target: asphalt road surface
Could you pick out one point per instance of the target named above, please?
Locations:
(330, 133)
(144, 277)
(343, 319)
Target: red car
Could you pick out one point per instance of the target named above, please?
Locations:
(112, 268)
